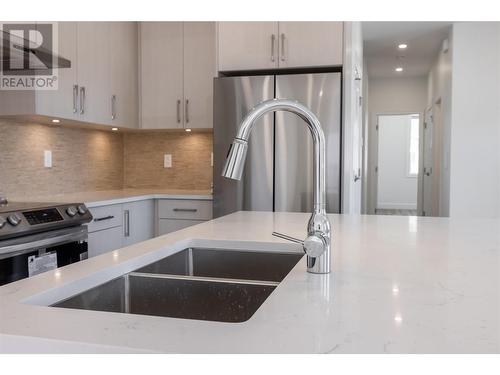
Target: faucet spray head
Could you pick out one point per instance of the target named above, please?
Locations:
(235, 160)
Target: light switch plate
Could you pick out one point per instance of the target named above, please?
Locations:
(211, 159)
(47, 159)
(167, 161)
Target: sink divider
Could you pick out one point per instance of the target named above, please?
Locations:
(197, 278)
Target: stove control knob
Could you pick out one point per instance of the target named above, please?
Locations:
(82, 209)
(2, 222)
(71, 211)
(14, 219)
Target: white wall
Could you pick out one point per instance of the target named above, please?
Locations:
(395, 189)
(475, 121)
(352, 117)
(390, 96)
(439, 99)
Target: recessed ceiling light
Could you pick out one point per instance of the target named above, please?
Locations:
(188, 130)
(399, 69)
(403, 46)
(114, 129)
(56, 121)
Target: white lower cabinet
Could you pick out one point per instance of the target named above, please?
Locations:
(138, 221)
(176, 214)
(171, 225)
(105, 240)
(118, 225)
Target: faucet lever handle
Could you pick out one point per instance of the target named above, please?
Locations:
(288, 238)
(314, 245)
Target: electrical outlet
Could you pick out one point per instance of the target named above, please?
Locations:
(47, 159)
(167, 161)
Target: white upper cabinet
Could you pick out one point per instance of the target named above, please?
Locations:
(303, 44)
(123, 71)
(177, 67)
(271, 45)
(161, 72)
(63, 101)
(247, 45)
(199, 73)
(93, 59)
(100, 86)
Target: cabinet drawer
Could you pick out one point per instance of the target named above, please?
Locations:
(171, 225)
(184, 209)
(106, 217)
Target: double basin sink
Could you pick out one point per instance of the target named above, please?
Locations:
(204, 284)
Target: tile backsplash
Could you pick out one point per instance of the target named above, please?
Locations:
(88, 160)
(144, 154)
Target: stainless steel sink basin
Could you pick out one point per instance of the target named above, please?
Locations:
(228, 264)
(204, 284)
(174, 298)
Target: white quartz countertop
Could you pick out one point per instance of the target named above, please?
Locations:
(399, 285)
(107, 197)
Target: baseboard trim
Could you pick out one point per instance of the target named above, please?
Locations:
(396, 206)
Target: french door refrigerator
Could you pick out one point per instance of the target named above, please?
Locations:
(279, 165)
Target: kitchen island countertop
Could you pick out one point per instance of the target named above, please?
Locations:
(399, 285)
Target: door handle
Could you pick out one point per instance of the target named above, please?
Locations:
(82, 100)
(282, 46)
(75, 98)
(273, 40)
(187, 111)
(113, 107)
(178, 111)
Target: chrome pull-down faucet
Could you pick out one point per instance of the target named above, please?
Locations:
(317, 244)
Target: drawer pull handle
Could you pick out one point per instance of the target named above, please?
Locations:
(185, 209)
(104, 218)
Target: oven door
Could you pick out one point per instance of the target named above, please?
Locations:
(29, 255)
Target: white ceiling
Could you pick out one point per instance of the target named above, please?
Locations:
(381, 39)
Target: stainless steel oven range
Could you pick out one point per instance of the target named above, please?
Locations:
(38, 237)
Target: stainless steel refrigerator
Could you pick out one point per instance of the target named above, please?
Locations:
(278, 169)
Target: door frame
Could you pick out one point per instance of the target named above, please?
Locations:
(374, 185)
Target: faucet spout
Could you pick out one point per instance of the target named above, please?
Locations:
(318, 228)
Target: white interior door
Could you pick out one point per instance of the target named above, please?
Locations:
(397, 184)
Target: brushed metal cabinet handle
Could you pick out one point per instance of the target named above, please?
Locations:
(104, 218)
(126, 221)
(178, 111)
(187, 111)
(273, 39)
(75, 98)
(82, 100)
(113, 107)
(185, 210)
(282, 46)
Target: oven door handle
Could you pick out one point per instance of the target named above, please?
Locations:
(20, 248)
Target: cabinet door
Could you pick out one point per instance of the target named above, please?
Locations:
(247, 45)
(123, 74)
(161, 74)
(199, 73)
(93, 58)
(138, 222)
(303, 44)
(171, 225)
(62, 102)
(102, 241)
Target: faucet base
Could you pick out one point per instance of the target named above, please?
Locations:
(319, 265)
